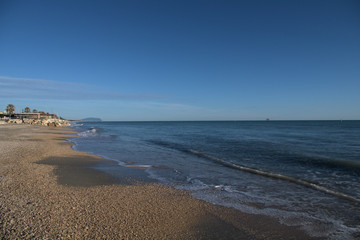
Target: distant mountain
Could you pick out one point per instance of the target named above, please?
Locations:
(91, 119)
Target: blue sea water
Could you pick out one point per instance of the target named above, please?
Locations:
(303, 173)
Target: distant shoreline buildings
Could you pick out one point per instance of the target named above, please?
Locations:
(28, 116)
(32, 118)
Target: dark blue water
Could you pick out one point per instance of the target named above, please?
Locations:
(304, 173)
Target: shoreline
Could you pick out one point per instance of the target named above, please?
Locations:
(49, 190)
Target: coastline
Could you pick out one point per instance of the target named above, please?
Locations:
(48, 190)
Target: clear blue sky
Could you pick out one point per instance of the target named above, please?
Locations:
(182, 60)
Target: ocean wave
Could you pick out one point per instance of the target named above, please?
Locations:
(168, 145)
(276, 176)
(264, 173)
(226, 188)
(142, 166)
(75, 124)
(316, 226)
(354, 166)
(193, 184)
(88, 133)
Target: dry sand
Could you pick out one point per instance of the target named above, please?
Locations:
(48, 191)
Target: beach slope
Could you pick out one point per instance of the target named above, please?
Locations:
(50, 191)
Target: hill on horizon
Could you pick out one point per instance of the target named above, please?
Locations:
(92, 119)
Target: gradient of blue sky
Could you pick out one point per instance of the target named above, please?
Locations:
(182, 60)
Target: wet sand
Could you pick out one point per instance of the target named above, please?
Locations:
(50, 191)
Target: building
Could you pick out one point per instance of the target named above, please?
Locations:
(27, 115)
(48, 116)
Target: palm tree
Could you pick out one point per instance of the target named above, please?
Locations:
(10, 109)
(27, 110)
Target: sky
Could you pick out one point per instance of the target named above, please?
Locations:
(182, 60)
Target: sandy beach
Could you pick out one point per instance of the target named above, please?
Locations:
(50, 191)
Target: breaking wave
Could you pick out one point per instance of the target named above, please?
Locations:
(275, 175)
(88, 133)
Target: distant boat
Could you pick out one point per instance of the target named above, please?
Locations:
(268, 119)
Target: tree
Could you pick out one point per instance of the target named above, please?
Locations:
(35, 111)
(27, 110)
(10, 109)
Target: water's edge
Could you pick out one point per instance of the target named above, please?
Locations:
(216, 193)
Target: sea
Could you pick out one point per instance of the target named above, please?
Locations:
(302, 173)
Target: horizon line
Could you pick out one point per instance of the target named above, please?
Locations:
(276, 120)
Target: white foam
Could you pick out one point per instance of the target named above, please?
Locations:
(226, 188)
(277, 176)
(315, 226)
(193, 184)
(75, 124)
(88, 133)
(137, 166)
